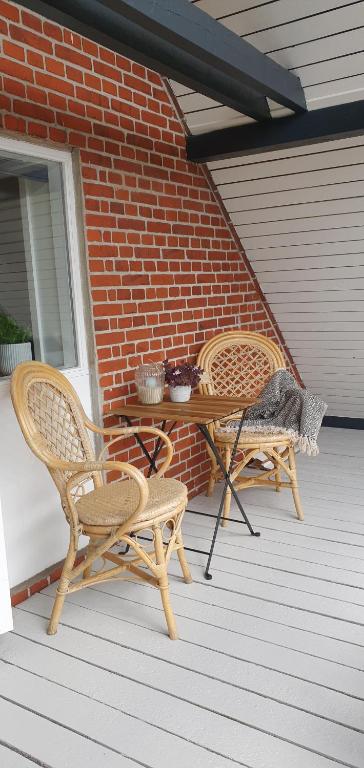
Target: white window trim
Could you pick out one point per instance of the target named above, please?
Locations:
(63, 157)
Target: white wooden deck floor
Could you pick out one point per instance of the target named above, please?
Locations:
(269, 670)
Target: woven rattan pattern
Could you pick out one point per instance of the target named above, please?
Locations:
(113, 504)
(57, 423)
(240, 370)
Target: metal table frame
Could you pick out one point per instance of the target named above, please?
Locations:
(228, 483)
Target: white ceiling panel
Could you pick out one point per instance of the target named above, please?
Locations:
(319, 40)
(247, 17)
(299, 212)
(318, 27)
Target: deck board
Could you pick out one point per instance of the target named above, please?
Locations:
(269, 668)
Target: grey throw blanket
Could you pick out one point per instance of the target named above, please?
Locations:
(285, 408)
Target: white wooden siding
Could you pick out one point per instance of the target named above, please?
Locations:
(300, 212)
(319, 40)
(300, 216)
(14, 294)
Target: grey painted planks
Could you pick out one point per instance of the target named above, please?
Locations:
(12, 759)
(149, 689)
(50, 745)
(107, 722)
(268, 671)
(119, 621)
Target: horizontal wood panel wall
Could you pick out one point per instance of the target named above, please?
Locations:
(14, 294)
(321, 41)
(300, 216)
(300, 213)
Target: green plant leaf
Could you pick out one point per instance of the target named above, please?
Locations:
(12, 332)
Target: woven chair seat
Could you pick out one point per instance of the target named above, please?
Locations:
(252, 438)
(114, 503)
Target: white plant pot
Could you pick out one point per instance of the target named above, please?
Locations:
(180, 394)
(12, 354)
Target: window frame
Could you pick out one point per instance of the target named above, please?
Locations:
(65, 158)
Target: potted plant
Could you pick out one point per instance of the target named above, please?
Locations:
(15, 344)
(181, 379)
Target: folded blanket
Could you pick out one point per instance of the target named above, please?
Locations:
(285, 408)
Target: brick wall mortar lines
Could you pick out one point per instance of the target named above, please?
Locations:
(165, 270)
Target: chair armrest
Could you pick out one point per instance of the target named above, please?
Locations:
(80, 468)
(126, 432)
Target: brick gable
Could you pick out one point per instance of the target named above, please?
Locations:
(165, 270)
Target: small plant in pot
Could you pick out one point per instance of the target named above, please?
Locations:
(181, 380)
(15, 344)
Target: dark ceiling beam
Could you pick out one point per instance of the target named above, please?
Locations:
(320, 125)
(180, 41)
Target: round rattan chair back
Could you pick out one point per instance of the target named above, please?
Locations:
(239, 363)
(51, 418)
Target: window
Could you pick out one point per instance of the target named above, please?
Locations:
(35, 281)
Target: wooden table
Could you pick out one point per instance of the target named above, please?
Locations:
(202, 410)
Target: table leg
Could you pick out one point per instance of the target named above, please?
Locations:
(152, 459)
(156, 451)
(226, 474)
(159, 445)
(227, 484)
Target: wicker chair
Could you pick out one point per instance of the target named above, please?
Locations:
(239, 364)
(57, 431)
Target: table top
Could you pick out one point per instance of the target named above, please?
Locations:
(200, 409)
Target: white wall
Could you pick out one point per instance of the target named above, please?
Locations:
(6, 622)
(14, 294)
(300, 216)
(300, 213)
(36, 533)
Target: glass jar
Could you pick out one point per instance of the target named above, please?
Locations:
(149, 379)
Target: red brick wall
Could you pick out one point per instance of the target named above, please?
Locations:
(165, 271)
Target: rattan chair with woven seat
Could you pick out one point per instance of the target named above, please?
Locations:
(57, 430)
(239, 364)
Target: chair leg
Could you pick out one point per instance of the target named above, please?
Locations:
(212, 481)
(295, 491)
(90, 549)
(227, 503)
(213, 468)
(163, 583)
(277, 476)
(62, 588)
(183, 560)
(278, 480)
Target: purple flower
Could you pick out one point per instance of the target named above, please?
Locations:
(183, 375)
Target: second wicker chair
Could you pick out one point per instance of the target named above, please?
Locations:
(239, 364)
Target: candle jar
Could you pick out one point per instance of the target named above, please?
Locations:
(149, 381)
